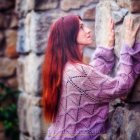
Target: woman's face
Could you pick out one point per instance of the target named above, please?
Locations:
(84, 36)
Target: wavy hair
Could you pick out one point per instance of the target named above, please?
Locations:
(61, 48)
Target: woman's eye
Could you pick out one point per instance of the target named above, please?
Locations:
(81, 26)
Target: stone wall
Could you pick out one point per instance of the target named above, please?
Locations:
(35, 18)
(8, 54)
(125, 121)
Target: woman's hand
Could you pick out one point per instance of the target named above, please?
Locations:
(111, 34)
(130, 31)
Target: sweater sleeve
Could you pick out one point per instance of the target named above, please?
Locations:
(103, 88)
(103, 59)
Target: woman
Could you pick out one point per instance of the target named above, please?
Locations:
(76, 96)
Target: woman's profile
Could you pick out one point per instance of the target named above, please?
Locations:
(76, 96)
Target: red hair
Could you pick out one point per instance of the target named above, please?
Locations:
(61, 48)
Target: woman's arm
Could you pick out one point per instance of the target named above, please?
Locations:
(103, 59)
(102, 88)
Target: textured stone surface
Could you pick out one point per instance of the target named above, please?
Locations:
(8, 20)
(21, 8)
(13, 21)
(134, 95)
(21, 47)
(125, 124)
(12, 82)
(132, 5)
(6, 4)
(29, 73)
(45, 4)
(27, 23)
(11, 39)
(40, 23)
(1, 43)
(71, 4)
(20, 73)
(103, 8)
(7, 67)
(29, 114)
(89, 14)
(32, 74)
(1, 20)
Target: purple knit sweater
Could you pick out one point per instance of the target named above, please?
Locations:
(87, 91)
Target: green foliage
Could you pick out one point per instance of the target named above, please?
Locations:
(8, 111)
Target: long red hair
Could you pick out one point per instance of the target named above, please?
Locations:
(61, 48)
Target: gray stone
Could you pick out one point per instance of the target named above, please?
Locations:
(103, 8)
(24, 137)
(21, 8)
(40, 24)
(134, 95)
(45, 4)
(29, 73)
(118, 16)
(27, 23)
(29, 114)
(67, 5)
(21, 47)
(125, 124)
(32, 73)
(20, 72)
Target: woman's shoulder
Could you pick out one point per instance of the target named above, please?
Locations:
(75, 68)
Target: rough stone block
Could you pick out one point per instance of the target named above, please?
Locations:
(2, 43)
(134, 95)
(40, 24)
(27, 23)
(21, 39)
(7, 67)
(45, 4)
(29, 114)
(2, 20)
(20, 72)
(132, 5)
(70, 4)
(29, 73)
(103, 8)
(24, 137)
(89, 14)
(125, 124)
(6, 4)
(13, 21)
(11, 39)
(32, 74)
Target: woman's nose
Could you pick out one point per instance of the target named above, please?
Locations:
(88, 30)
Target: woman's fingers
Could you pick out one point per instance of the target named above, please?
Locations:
(131, 30)
(110, 23)
(136, 29)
